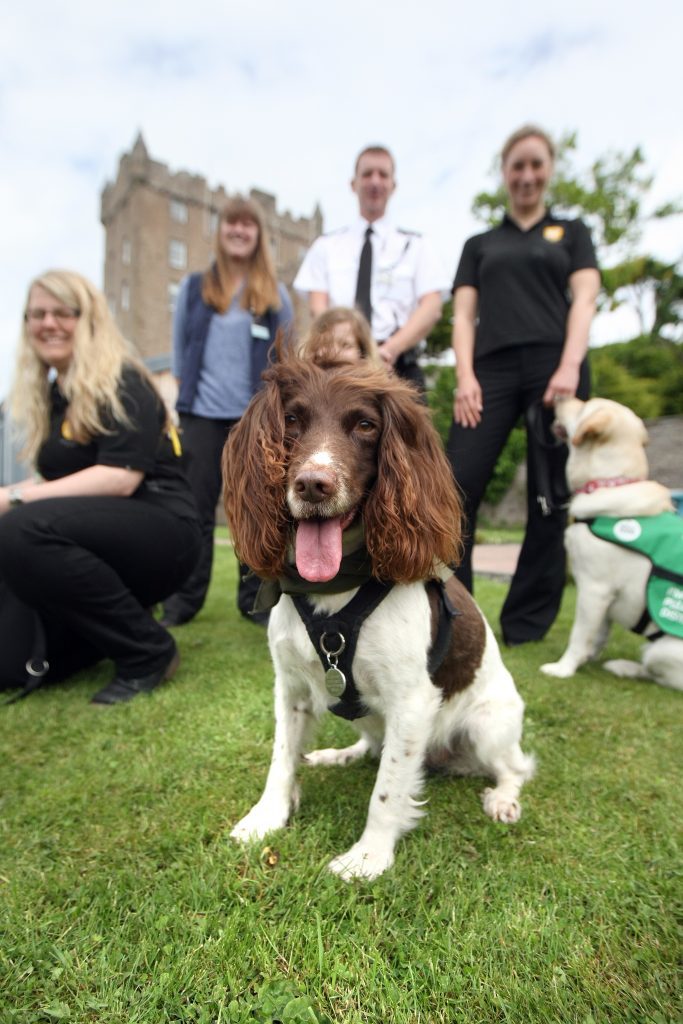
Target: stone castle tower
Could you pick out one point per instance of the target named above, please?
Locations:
(160, 225)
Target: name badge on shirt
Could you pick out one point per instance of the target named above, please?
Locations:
(553, 232)
(260, 331)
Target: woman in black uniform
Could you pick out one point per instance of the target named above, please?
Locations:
(524, 298)
(109, 526)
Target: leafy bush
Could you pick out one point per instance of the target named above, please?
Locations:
(440, 398)
(645, 373)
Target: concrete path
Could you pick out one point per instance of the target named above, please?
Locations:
(496, 560)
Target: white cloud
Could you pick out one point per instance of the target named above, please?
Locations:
(282, 97)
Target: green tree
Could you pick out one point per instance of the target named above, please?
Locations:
(642, 278)
(440, 337)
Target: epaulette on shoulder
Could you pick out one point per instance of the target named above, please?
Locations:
(336, 231)
(405, 231)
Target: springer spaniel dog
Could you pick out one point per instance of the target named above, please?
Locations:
(336, 485)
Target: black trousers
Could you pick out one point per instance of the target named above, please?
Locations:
(91, 567)
(203, 440)
(511, 380)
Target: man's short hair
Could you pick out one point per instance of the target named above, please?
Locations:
(375, 151)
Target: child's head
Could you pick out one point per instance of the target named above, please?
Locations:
(339, 335)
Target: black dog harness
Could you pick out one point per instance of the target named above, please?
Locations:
(335, 638)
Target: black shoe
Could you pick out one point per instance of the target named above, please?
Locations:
(120, 690)
(171, 620)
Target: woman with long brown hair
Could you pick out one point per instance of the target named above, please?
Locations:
(225, 323)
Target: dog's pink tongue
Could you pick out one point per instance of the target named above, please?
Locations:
(318, 549)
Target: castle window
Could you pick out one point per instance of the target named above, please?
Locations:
(211, 223)
(125, 252)
(172, 296)
(125, 297)
(177, 255)
(178, 211)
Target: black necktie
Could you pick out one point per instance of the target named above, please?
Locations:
(363, 302)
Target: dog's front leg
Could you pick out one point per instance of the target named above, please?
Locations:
(589, 631)
(394, 807)
(293, 720)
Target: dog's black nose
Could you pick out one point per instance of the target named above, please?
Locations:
(315, 485)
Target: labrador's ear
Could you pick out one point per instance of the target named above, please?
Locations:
(596, 427)
(643, 435)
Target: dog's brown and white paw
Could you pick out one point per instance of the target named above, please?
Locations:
(362, 861)
(501, 806)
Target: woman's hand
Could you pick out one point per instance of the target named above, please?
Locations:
(467, 397)
(562, 384)
(387, 355)
(467, 404)
(6, 493)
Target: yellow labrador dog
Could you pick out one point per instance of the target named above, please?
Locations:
(607, 474)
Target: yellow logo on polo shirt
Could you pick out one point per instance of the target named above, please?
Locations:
(553, 232)
(172, 435)
(67, 432)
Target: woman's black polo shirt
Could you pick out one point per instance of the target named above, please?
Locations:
(522, 280)
(142, 444)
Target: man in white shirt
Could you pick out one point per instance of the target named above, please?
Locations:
(398, 282)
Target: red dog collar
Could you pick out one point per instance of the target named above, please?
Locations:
(608, 481)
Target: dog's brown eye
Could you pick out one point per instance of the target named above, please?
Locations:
(365, 425)
(290, 419)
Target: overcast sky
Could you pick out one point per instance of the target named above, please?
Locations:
(281, 96)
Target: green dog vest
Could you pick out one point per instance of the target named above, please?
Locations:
(660, 539)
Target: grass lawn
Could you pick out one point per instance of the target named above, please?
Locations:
(123, 900)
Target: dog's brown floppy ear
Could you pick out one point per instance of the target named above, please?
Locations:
(594, 427)
(253, 467)
(413, 514)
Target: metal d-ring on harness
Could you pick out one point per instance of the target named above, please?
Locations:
(335, 637)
